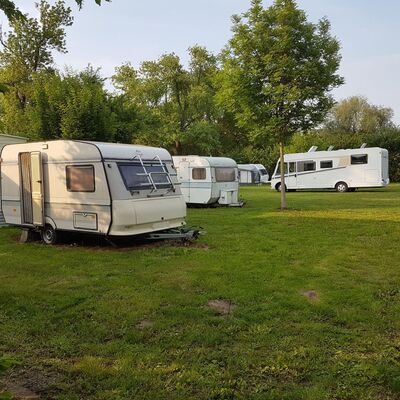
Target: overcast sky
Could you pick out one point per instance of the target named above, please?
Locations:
(137, 30)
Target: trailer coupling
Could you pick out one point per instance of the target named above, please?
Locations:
(184, 234)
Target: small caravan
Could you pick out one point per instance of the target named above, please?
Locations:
(252, 174)
(264, 176)
(81, 186)
(343, 170)
(208, 180)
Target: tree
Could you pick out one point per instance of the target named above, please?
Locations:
(12, 12)
(28, 48)
(277, 72)
(175, 102)
(355, 115)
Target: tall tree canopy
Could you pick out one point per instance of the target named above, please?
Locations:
(177, 104)
(28, 47)
(11, 11)
(356, 115)
(277, 72)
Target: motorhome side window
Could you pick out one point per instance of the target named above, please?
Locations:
(326, 164)
(136, 177)
(291, 165)
(199, 173)
(80, 178)
(359, 159)
(225, 174)
(304, 166)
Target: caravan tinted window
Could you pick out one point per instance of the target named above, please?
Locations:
(225, 174)
(80, 178)
(199, 174)
(359, 159)
(326, 164)
(303, 166)
(136, 178)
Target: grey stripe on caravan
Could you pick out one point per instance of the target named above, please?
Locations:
(313, 172)
(195, 185)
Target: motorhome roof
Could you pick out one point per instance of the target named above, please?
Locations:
(329, 154)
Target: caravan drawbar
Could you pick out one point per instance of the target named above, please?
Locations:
(82, 186)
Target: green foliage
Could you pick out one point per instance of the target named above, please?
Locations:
(175, 102)
(12, 12)
(356, 115)
(278, 70)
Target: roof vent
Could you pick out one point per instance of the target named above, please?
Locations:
(363, 146)
(330, 148)
(313, 148)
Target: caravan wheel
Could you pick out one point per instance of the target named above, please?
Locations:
(49, 235)
(341, 187)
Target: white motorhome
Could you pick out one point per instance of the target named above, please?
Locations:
(264, 176)
(102, 188)
(208, 180)
(343, 170)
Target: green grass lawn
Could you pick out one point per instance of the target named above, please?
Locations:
(314, 294)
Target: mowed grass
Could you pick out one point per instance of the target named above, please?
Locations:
(315, 314)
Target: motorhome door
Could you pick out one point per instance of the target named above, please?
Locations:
(32, 200)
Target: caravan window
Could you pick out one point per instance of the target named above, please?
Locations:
(80, 178)
(359, 159)
(199, 174)
(304, 166)
(225, 174)
(136, 178)
(326, 164)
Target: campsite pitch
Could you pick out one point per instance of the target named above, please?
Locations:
(303, 304)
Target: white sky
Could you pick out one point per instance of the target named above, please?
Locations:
(135, 30)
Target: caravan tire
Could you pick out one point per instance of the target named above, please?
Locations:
(341, 187)
(49, 235)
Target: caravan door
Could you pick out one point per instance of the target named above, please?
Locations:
(184, 174)
(32, 200)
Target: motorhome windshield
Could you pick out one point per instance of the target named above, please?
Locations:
(225, 174)
(263, 172)
(136, 177)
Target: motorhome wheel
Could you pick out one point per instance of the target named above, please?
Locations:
(49, 235)
(278, 187)
(341, 187)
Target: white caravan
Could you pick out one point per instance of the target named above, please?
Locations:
(248, 174)
(252, 174)
(264, 177)
(102, 188)
(343, 170)
(8, 139)
(208, 180)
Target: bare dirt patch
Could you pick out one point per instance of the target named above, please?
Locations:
(144, 324)
(310, 294)
(222, 307)
(32, 383)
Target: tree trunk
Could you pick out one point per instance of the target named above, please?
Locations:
(283, 186)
